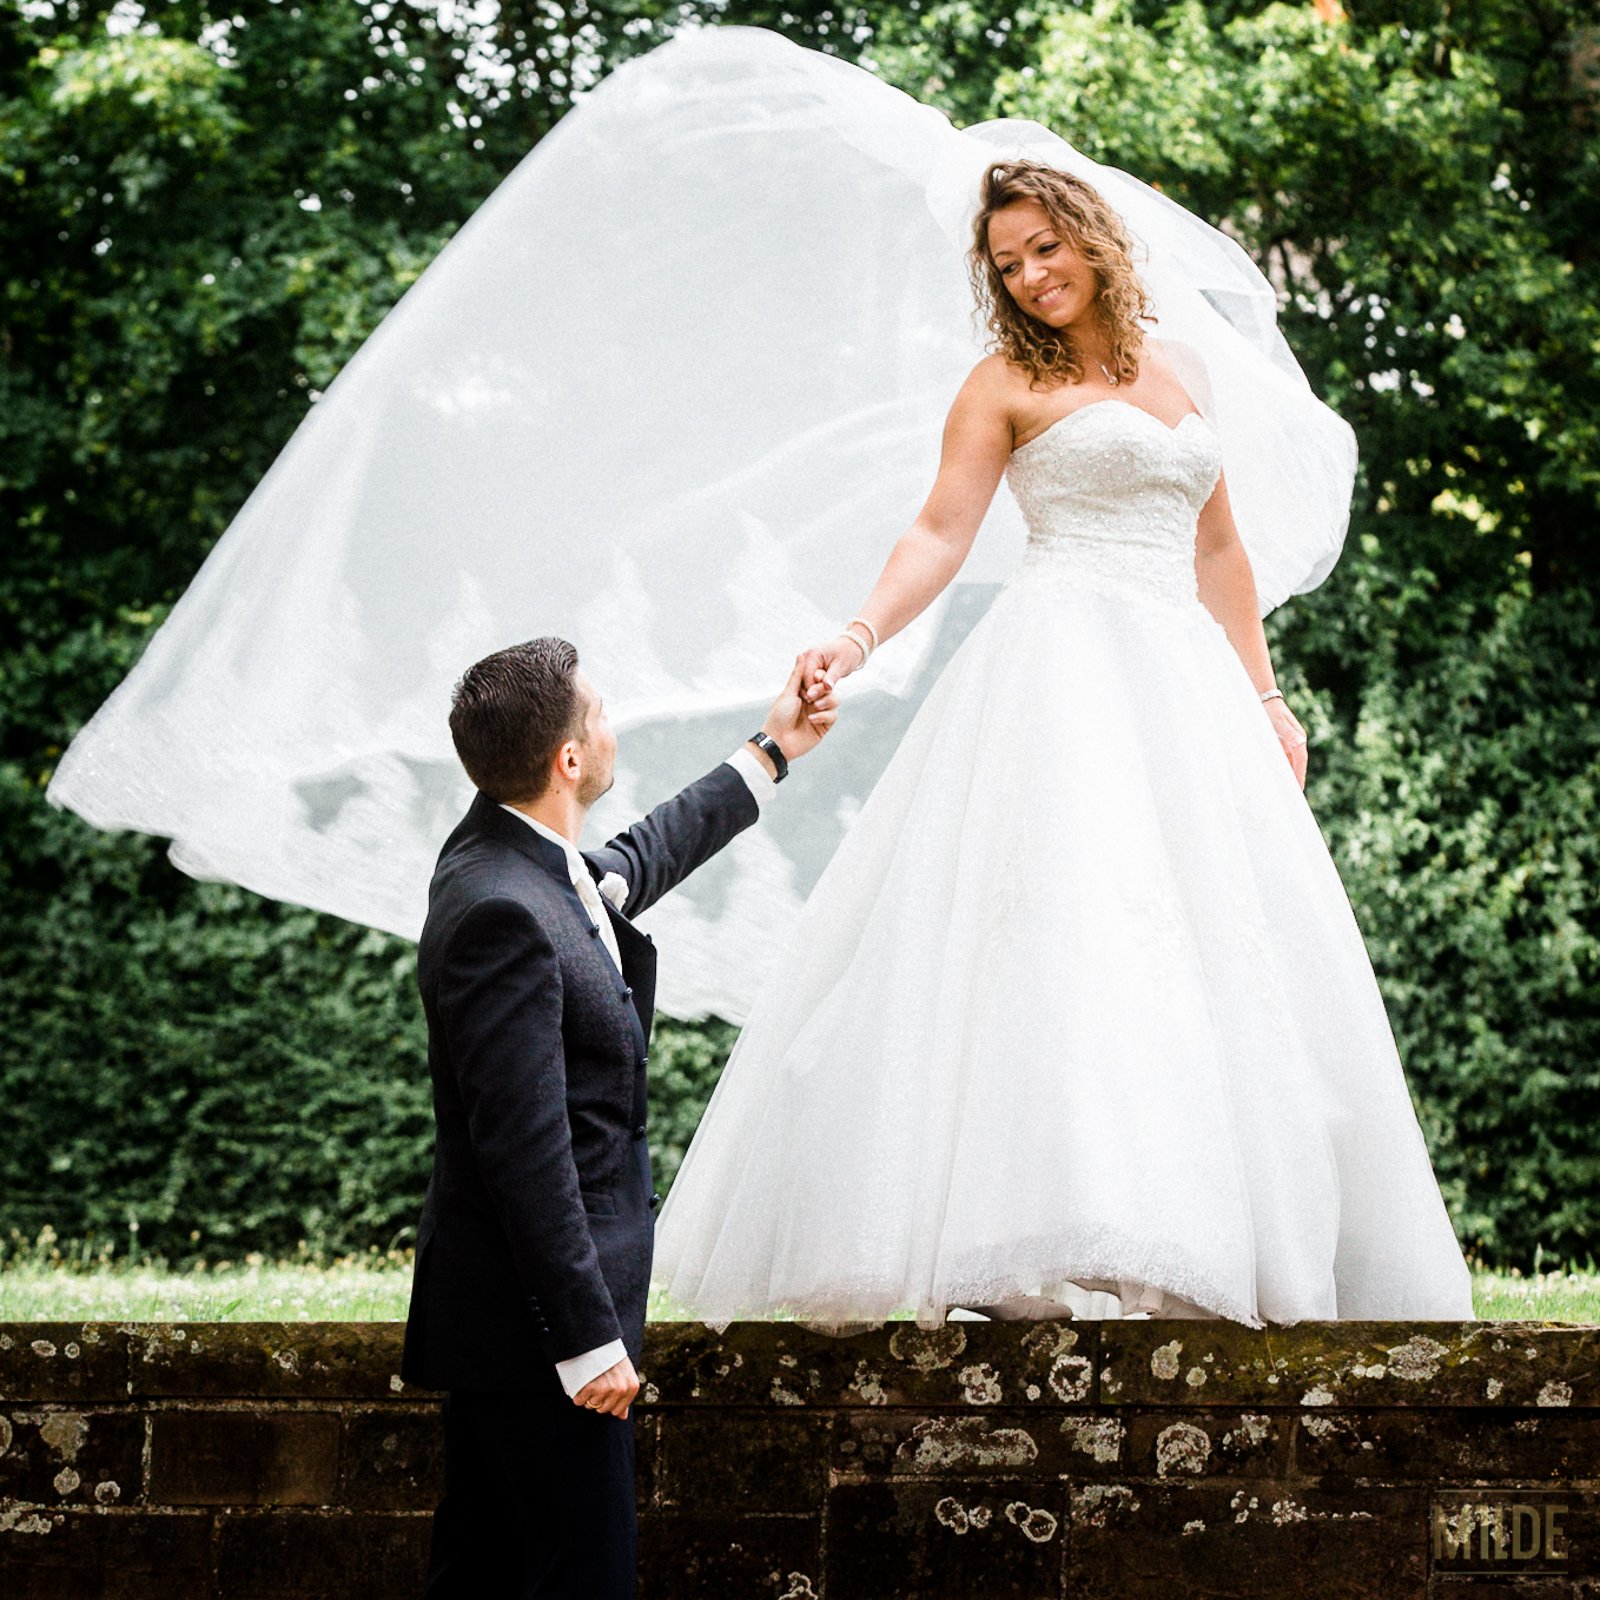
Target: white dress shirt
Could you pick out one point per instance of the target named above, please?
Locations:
(576, 1371)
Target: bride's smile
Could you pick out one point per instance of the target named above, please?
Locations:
(1043, 273)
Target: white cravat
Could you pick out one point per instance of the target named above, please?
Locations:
(588, 891)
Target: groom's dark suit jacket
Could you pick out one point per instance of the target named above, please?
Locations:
(537, 1227)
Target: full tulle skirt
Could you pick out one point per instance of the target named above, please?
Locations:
(1079, 1016)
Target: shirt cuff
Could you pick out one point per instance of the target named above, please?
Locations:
(748, 765)
(576, 1371)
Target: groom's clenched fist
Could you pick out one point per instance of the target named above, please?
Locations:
(612, 1392)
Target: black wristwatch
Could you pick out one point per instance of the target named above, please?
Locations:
(764, 741)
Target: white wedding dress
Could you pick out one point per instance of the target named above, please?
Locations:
(1079, 1013)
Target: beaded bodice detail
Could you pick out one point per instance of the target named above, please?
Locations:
(1111, 496)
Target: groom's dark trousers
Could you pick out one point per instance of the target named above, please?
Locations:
(536, 1233)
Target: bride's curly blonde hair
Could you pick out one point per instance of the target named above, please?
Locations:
(1084, 220)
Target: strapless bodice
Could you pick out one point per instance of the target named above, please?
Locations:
(1111, 496)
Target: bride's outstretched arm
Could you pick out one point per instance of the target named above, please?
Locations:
(1228, 590)
(977, 441)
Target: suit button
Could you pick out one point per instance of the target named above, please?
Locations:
(628, 993)
(655, 1200)
(644, 1061)
(638, 1132)
(594, 932)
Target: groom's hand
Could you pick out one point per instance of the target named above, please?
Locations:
(612, 1392)
(794, 724)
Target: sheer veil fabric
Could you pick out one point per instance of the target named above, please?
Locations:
(672, 393)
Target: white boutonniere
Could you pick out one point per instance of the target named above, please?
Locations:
(615, 888)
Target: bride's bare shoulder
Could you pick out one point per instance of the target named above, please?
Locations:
(997, 384)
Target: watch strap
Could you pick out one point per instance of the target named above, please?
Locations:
(766, 743)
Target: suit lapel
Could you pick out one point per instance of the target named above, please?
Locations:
(638, 952)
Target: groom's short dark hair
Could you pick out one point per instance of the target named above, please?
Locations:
(511, 712)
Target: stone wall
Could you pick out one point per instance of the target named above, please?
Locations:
(1135, 1460)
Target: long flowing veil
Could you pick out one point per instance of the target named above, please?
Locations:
(671, 393)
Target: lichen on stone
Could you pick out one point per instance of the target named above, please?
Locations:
(18, 1518)
(1418, 1358)
(960, 1519)
(63, 1433)
(1182, 1447)
(1253, 1429)
(868, 1384)
(1092, 1503)
(1071, 1377)
(1099, 1437)
(980, 1384)
(941, 1443)
(1164, 1360)
(783, 1395)
(1036, 1524)
(928, 1349)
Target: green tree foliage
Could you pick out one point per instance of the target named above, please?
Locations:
(205, 211)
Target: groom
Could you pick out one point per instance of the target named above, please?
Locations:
(533, 1252)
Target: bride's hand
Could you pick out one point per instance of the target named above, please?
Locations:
(824, 665)
(1291, 736)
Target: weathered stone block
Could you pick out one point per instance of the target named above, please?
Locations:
(73, 1362)
(1207, 1444)
(48, 1554)
(1506, 1589)
(737, 1462)
(1113, 1443)
(61, 1456)
(910, 1540)
(1350, 1364)
(709, 1558)
(784, 1364)
(392, 1459)
(1457, 1446)
(258, 1360)
(1002, 1442)
(1138, 1540)
(244, 1458)
(320, 1555)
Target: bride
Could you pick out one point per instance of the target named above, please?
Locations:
(1078, 1020)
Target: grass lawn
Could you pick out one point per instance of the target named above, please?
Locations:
(43, 1283)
